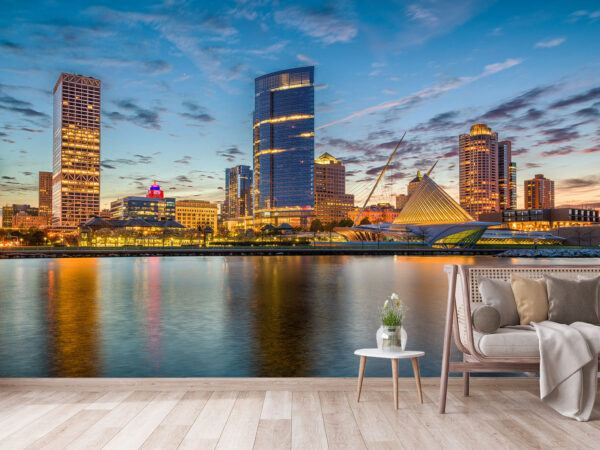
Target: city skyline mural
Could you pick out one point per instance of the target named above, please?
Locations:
(178, 89)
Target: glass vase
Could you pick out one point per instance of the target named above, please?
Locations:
(391, 338)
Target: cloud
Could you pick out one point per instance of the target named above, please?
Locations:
(325, 25)
(505, 109)
(268, 52)
(183, 179)
(558, 135)
(441, 122)
(576, 99)
(567, 150)
(137, 159)
(157, 66)
(578, 183)
(185, 160)
(22, 108)
(550, 43)
(430, 92)
(230, 154)
(595, 149)
(306, 60)
(588, 113)
(196, 112)
(10, 46)
(584, 14)
(142, 117)
(319, 87)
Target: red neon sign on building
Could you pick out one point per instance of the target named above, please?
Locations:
(155, 191)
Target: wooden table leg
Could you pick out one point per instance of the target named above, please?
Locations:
(415, 363)
(361, 373)
(395, 381)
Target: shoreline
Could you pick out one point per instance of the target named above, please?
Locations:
(252, 251)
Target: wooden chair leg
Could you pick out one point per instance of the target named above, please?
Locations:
(466, 377)
(395, 381)
(415, 364)
(447, 341)
(361, 374)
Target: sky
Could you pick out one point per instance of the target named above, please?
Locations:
(178, 88)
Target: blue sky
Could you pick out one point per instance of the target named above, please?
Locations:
(178, 80)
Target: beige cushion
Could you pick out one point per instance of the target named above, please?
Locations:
(507, 342)
(531, 298)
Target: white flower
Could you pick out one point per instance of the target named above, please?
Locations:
(394, 296)
(386, 304)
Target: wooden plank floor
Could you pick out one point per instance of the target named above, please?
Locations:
(284, 413)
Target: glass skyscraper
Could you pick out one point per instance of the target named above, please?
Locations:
(283, 142)
(76, 150)
(238, 192)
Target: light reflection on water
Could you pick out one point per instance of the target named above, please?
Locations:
(215, 316)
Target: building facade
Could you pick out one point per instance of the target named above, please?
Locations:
(413, 184)
(283, 147)
(332, 204)
(9, 211)
(31, 220)
(238, 192)
(507, 177)
(197, 214)
(544, 219)
(401, 200)
(485, 172)
(76, 151)
(155, 206)
(382, 212)
(45, 193)
(539, 193)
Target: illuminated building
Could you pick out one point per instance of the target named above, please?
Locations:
(105, 214)
(414, 183)
(507, 177)
(197, 214)
(485, 172)
(26, 220)
(431, 217)
(332, 204)
(76, 151)
(152, 207)
(45, 193)
(238, 192)
(539, 193)
(544, 219)
(283, 147)
(98, 232)
(382, 212)
(9, 211)
(401, 200)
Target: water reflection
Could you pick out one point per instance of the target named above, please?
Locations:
(72, 318)
(214, 316)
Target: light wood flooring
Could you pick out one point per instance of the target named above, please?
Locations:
(296, 413)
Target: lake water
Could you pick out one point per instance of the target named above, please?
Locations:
(215, 316)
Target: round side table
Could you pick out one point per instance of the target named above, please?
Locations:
(394, 356)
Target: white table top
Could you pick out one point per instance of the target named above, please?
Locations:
(376, 353)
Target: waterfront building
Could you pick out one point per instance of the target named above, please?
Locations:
(332, 204)
(76, 150)
(485, 172)
(238, 192)
(539, 193)
(433, 218)
(544, 219)
(283, 147)
(379, 213)
(196, 214)
(401, 200)
(155, 206)
(45, 193)
(105, 213)
(9, 211)
(507, 177)
(413, 184)
(99, 232)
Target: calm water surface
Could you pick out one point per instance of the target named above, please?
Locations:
(215, 316)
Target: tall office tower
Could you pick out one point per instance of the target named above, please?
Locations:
(504, 175)
(401, 200)
(238, 192)
(512, 184)
(76, 152)
(283, 142)
(414, 183)
(332, 204)
(478, 177)
(539, 193)
(45, 193)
